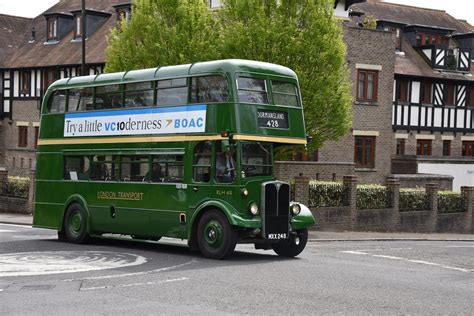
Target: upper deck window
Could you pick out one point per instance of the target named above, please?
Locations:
(284, 93)
(80, 99)
(57, 102)
(252, 90)
(139, 94)
(108, 97)
(172, 92)
(209, 89)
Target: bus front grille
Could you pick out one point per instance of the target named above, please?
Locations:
(275, 209)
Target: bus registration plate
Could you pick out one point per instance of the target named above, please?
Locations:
(277, 236)
(272, 119)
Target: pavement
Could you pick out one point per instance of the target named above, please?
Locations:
(314, 236)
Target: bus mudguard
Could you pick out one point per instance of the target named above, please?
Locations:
(234, 218)
(304, 219)
(76, 198)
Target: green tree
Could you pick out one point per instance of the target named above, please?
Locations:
(300, 34)
(162, 32)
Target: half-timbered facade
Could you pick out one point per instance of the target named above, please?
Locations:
(47, 48)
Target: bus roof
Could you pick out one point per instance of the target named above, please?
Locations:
(227, 65)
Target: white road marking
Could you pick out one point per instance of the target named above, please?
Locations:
(16, 225)
(6, 231)
(1, 290)
(360, 252)
(383, 249)
(34, 236)
(133, 273)
(459, 246)
(54, 262)
(355, 252)
(131, 284)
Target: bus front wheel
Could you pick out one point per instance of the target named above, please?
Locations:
(75, 224)
(216, 238)
(292, 246)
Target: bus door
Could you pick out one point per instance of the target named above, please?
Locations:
(199, 187)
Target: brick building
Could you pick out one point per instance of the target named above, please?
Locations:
(40, 51)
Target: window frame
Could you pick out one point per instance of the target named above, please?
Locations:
(22, 136)
(402, 143)
(78, 26)
(403, 90)
(365, 163)
(265, 92)
(424, 99)
(364, 97)
(465, 150)
(420, 150)
(449, 97)
(52, 28)
(446, 149)
(25, 81)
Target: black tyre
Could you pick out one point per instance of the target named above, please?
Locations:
(75, 224)
(292, 246)
(216, 238)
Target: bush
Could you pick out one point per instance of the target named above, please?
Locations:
(413, 199)
(327, 194)
(18, 187)
(450, 202)
(373, 196)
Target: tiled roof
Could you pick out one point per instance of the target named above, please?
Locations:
(411, 15)
(39, 54)
(12, 35)
(413, 64)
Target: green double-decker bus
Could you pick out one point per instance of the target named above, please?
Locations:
(180, 151)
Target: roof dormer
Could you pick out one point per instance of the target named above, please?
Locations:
(57, 26)
(93, 20)
(123, 11)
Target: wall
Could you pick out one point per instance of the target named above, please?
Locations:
(463, 173)
(375, 116)
(14, 205)
(287, 170)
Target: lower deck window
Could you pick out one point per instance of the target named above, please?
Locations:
(76, 168)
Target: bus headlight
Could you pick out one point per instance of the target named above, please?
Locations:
(295, 209)
(253, 208)
(245, 192)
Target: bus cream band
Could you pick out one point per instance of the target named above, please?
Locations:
(154, 121)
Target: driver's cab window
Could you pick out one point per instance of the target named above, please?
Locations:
(202, 162)
(225, 162)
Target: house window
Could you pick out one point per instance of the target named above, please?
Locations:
(52, 29)
(78, 26)
(367, 81)
(397, 32)
(364, 152)
(470, 96)
(25, 81)
(123, 14)
(446, 148)
(403, 91)
(423, 147)
(22, 136)
(468, 149)
(400, 147)
(449, 95)
(426, 92)
(36, 136)
(49, 76)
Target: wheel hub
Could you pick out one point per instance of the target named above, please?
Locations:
(213, 233)
(75, 223)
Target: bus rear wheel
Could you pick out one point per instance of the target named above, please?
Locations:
(75, 224)
(216, 238)
(292, 246)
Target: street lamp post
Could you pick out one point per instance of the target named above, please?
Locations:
(83, 37)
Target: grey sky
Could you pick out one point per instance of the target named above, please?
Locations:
(461, 9)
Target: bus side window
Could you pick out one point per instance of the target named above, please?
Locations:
(202, 162)
(108, 97)
(209, 89)
(171, 167)
(252, 90)
(172, 92)
(139, 94)
(284, 93)
(57, 102)
(103, 168)
(80, 99)
(76, 168)
(135, 168)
